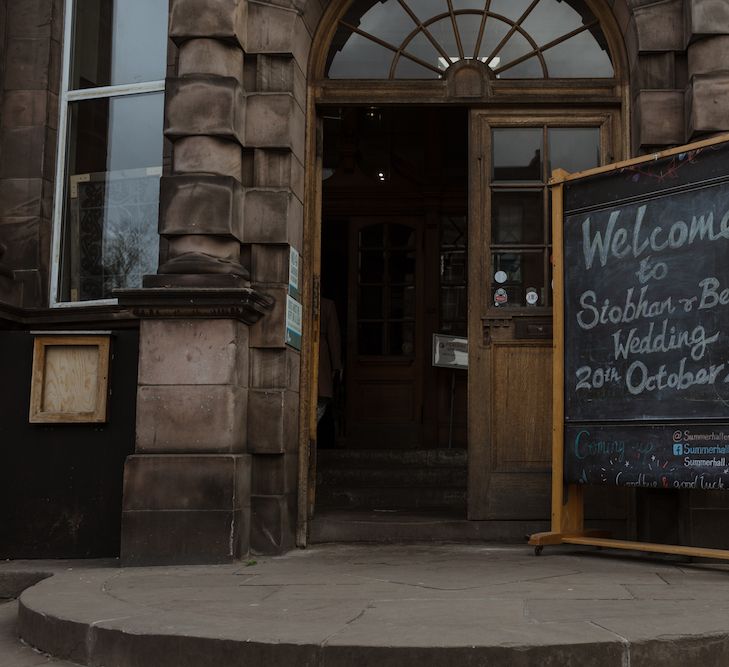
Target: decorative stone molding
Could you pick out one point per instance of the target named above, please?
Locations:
(243, 304)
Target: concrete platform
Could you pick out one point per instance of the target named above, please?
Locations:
(391, 606)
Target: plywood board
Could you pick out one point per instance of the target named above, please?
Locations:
(70, 379)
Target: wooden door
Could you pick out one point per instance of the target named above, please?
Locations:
(384, 347)
(510, 321)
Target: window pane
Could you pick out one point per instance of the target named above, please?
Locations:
(370, 339)
(371, 236)
(371, 266)
(119, 42)
(402, 339)
(361, 58)
(421, 47)
(519, 273)
(495, 31)
(453, 303)
(574, 148)
(517, 216)
(550, 20)
(370, 303)
(402, 267)
(402, 302)
(531, 68)
(402, 236)
(579, 56)
(114, 163)
(517, 154)
(408, 69)
(511, 9)
(453, 267)
(387, 20)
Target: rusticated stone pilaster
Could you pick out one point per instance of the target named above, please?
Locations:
(201, 207)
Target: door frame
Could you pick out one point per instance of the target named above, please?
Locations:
(519, 97)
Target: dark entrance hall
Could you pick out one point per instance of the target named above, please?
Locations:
(394, 267)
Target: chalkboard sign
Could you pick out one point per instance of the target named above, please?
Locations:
(646, 323)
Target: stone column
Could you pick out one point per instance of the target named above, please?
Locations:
(218, 402)
(201, 203)
(187, 489)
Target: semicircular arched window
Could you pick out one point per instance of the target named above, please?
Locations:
(517, 39)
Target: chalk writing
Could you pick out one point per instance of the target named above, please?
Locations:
(646, 325)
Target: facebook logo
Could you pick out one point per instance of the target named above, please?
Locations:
(678, 449)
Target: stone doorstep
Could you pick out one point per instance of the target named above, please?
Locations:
(71, 616)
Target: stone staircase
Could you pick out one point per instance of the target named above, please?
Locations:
(386, 479)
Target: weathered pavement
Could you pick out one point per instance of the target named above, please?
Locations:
(390, 606)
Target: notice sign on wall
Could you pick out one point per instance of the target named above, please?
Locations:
(294, 273)
(293, 322)
(646, 323)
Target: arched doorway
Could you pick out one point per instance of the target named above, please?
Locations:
(434, 128)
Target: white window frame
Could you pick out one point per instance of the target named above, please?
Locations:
(66, 97)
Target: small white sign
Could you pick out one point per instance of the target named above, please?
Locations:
(294, 273)
(450, 351)
(294, 318)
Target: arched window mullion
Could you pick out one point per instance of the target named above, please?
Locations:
(421, 27)
(536, 51)
(404, 54)
(481, 29)
(459, 44)
(539, 51)
(513, 29)
(569, 35)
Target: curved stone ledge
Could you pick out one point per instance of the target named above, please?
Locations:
(404, 606)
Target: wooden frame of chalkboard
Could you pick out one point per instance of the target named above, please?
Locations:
(641, 339)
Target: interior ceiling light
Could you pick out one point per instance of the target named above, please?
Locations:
(444, 64)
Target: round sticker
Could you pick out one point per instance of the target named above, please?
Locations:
(500, 277)
(532, 297)
(500, 297)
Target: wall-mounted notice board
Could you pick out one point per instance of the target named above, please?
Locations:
(641, 359)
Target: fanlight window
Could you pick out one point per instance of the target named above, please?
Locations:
(517, 39)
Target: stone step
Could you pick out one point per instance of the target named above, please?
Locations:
(391, 498)
(389, 477)
(390, 458)
(403, 526)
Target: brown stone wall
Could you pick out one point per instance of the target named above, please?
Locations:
(30, 52)
(278, 42)
(679, 66)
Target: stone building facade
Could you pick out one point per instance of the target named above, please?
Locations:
(214, 465)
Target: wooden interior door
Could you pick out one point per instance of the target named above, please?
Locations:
(384, 344)
(510, 323)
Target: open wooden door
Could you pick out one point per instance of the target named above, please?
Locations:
(510, 300)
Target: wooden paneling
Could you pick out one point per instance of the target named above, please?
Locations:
(519, 497)
(522, 400)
